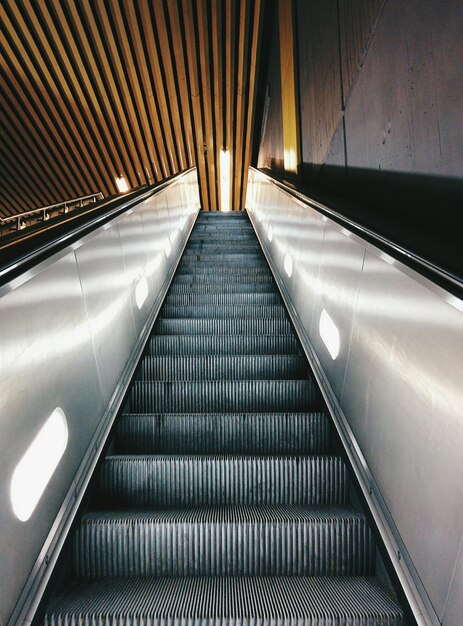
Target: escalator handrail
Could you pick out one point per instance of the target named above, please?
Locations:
(439, 275)
(21, 254)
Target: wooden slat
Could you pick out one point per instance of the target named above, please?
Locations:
(90, 91)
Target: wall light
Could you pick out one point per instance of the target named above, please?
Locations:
(141, 291)
(33, 472)
(122, 184)
(270, 233)
(330, 334)
(225, 180)
(168, 248)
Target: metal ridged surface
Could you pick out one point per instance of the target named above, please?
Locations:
(229, 433)
(264, 278)
(253, 311)
(225, 269)
(223, 601)
(224, 541)
(222, 344)
(188, 299)
(242, 396)
(244, 367)
(217, 287)
(223, 327)
(157, 481)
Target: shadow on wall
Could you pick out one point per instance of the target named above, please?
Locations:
(421, 212)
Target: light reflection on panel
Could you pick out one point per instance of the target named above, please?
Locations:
(46, 361)
(106, 293)
(397, 375)
(66, 335)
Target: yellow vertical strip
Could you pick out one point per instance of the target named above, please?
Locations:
(288, 87)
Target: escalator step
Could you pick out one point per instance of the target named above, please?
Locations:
(196, 480)
(224, 541)
(224, 601)
(223, 327)
(219, 288)
(232, 433)
(240, 278)
(243, 396)
(223, 299)
(244, 367)
(227, 271)
(172, 345)
(232, 311)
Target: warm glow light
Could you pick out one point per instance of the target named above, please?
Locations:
(122, 184)
(270, 233)
(33, 472)
(141, 291)
(288, 264)
(168, 248)
(330, 334)
(225, 180)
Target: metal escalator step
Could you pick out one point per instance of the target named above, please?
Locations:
(224, 327)
(216, 396)
(239, 278)
(225, 601)
(222, 367)
(224, 541)
(238, 256)
(221, 299)
(225, 433)
(180, 480)
(232, 345)
(193, 288)
(211, 311)
(226, 272)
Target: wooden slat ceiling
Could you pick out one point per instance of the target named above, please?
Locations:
(94, 90)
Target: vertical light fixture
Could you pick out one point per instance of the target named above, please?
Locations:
(225, 180)
(288, 86)
(122, 184)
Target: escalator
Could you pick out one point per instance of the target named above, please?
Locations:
(223, 497)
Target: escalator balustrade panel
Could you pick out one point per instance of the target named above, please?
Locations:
(223, 500)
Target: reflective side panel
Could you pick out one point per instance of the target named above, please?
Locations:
(397, 378)
(70, 333)
(107, 296)
(47, 361)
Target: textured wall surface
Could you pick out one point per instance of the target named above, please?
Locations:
(381, 95)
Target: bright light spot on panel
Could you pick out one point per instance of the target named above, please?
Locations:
(122, 184)
(270, 233)
(168, 248)
(34, 470)
(288, 264)
(225, 180)
(330, 334)
(141, 291)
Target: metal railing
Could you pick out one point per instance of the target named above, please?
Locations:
(46, 212)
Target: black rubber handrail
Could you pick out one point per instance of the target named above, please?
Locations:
(437, 274)
(20, 254)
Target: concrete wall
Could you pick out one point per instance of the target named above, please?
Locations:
(381, 96)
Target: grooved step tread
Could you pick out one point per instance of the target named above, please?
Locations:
(232, 311)
(200, 480)
(233, 433)
(244, 367)
(214, 345)
(225, 541)
(218, 288)
(219, 396)
(216, 299)
(224, 601)
(225, 326)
